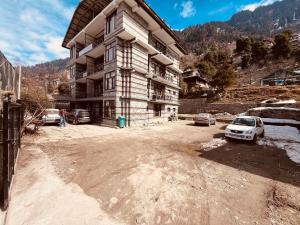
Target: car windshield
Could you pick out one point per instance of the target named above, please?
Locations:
(52, 112)
(244, 122)
(83, 113)
(203, 115)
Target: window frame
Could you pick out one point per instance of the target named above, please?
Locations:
(111, 22)
(109, 109)
(111, 52)
(110, 80)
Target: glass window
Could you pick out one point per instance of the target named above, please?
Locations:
(110, 80)
(110, 52)
(111, 23)
(244, 122)
(98, 88)
(109, 109)
(158, 69)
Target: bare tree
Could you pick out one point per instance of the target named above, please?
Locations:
(35, 100)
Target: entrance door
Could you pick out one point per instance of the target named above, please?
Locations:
(157, 110)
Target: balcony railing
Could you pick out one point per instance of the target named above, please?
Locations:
(163, 49)
(81, 95)
(98, 68)
(161, 97)
(91, 46)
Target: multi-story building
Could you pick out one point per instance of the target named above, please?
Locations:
(124, 62)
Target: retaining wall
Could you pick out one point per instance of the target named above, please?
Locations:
(199, 105)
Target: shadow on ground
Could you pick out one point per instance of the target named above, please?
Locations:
(268, 162)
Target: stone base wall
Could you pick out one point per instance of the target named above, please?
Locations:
(194, 106)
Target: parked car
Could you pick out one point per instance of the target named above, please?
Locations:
(51, 116)
(245, 128)
(205, 119)
(77, 116)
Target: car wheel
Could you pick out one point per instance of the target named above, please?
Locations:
(254, 139)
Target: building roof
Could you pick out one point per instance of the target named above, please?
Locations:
(89, 9)
(192, 74)
(84, 13)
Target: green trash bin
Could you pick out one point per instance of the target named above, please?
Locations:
(121, 121)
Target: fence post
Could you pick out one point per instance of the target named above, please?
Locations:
(5, 171)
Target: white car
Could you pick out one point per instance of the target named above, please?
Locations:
(51, 116)
(204, 119)
(245, 128)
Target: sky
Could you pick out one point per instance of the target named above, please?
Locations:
(32, 31)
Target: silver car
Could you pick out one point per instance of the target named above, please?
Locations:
(51, 116)
(205, 119)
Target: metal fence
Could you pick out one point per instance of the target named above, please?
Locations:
(11, 117)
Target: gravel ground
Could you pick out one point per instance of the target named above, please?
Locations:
(174, 173)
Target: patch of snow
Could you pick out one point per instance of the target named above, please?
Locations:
(277, 101)
(286, 101)
(284, 121)
(214, 143)
(273, 108)
(283, 137)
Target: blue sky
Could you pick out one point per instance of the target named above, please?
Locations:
(31, 31)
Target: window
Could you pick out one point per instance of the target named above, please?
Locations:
(110, 109)
(110, 80)
(158, 69)
(110, 52)
(174, 92)
(111, 23)
(98, 88)
(72, 72)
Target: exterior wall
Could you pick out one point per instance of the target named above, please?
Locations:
(132, 92)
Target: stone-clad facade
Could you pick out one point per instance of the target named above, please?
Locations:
(124, 62)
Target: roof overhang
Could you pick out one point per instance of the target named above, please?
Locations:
(87, 10)
(84, 13)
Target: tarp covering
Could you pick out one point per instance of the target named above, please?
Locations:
(9, 76)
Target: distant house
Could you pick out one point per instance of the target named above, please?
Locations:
(269, 42)
(281, 77)
(295, 41)
(61, 101)
(193, 78)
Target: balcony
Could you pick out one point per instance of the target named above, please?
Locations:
(164, 54)
(161, 98)
(163, 79)
(95, 73)
(88, 50)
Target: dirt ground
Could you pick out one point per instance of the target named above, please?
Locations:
(174, 173)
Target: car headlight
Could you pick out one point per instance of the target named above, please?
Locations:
(227, 130)
(249, 132)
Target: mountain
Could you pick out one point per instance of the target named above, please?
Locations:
(265, 21)
(54, 67)
(268, 19)
(200, 37)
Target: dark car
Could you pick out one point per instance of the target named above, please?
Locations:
(77, 116)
